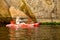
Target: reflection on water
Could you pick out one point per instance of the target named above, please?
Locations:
(23, 34)
(44, 32)
(4, 33)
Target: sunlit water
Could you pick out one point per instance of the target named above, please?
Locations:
(43, 32)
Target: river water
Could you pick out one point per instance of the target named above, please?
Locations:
(43, 32)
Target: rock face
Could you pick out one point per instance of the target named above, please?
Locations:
(58, 8)
(18, 5)
(16, 12)
(41, 8)
(46, 9)
(4, 11)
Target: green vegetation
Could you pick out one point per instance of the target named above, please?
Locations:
(50, 23)
(42, 23)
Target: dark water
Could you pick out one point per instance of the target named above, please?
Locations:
(43, 32)
(4, 33)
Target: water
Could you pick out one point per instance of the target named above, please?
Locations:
(43, 32)
(4, 33)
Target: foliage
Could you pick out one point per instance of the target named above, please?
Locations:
(50, 23)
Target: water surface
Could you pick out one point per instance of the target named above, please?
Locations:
(43, 32)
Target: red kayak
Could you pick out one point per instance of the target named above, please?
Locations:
(22, 25)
